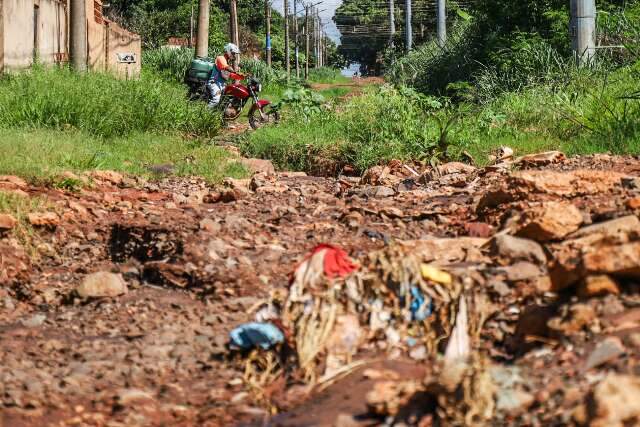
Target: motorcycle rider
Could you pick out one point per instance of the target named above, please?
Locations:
(222, 70)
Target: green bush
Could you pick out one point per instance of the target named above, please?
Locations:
(326, 75)
(170, 64)
(100, 104)
(260, 70)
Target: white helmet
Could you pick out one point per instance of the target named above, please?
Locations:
(231, 49)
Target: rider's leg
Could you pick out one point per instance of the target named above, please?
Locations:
(215, 94)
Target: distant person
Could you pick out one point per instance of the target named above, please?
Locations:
(222, 70)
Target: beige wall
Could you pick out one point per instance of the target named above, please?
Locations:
(121, 42)
(52, 32)
(105, 40)
(17, 32)
(17, 19)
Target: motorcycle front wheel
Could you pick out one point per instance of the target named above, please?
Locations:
(256, 121)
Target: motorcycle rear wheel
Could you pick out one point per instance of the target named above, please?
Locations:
(256, 121)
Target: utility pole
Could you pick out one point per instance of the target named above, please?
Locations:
(583, 30)
(78, 43)
(392, 22)
(202, 44)
(442, 23)
(267, 14)
(235, 37)
(408, 29)
(317, 39)
(307, 49)
(295, 37)
(287, 54)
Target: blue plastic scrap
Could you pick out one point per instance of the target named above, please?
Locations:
(421, 307)
(251, 335)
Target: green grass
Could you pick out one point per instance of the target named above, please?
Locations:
(595, 113)
(100, 105)
(42, 155)
(327, 75)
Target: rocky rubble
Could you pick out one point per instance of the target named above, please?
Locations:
(119, 311)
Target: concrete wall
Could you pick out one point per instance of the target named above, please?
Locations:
(17, 20)
(52, 32)
(96, 36)
(121, 44)
(107, 42)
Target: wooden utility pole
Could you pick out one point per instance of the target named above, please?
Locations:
(392, 22)
(202, 44)
(295, 37)
(235, 36)
(267, 14)
(287, 55)
(442, 23)
(307, 50)
(583, 30)
(408, 28)
(78, 33)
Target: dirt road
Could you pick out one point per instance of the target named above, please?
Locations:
(197, 262)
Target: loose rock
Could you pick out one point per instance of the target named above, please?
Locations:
(102, 284)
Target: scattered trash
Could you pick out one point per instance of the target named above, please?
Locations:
(252, 335)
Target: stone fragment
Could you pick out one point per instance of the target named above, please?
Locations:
(568, 184)
(11, 182)
(44, 219)
(551, 221)
(610, 229)
(392, 212)
(456, 168)
(7, 222)
(107, 176)
(615, 402)
(511, 249)
(623, 260)
(607, 350)
(541, 159)
(381, 191)
(102, 284)
(521, 271)
(598, 285)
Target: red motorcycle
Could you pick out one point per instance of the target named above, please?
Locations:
(235, 98)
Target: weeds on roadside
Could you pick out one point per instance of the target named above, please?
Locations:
(100, 104)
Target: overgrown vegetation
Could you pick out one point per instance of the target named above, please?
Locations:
(100, 105)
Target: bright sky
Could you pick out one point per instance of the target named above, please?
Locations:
(326, 16)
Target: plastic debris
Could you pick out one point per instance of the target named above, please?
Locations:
(459, 347)
(435, 275)
(252, 335)
(421, 307)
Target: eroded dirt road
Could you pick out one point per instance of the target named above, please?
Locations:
(197, 262)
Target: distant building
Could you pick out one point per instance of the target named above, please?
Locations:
(33, 30)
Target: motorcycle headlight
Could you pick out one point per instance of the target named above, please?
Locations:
(259, 87)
